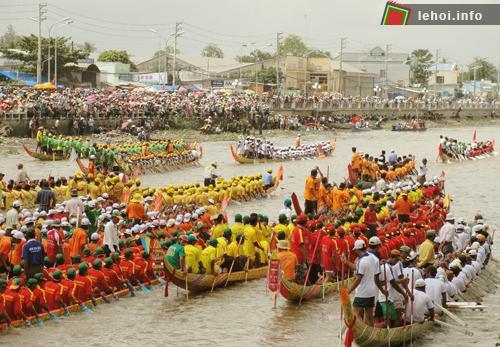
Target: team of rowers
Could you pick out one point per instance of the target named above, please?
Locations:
(115, 186)
(459, 150)
(371, 168)
(256, 148)
(414, 124)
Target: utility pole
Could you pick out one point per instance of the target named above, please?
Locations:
(436, 71)
(277, 61)
(42, 10)
(341, 72)
(387, 49)
(176, 35)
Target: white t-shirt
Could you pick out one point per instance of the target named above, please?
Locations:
(447, 232)
(459, 283)
(435, 288)
(386, 269)
(407, 271)
(421, 305)
(368, 267)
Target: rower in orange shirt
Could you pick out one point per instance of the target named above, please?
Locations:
(403, 208)
(311, 192)
(79, 239)
(297, 141)
(356, 162)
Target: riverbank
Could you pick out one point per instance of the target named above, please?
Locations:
(13, 145)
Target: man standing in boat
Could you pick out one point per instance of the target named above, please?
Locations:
(367, 279)
(311, 192)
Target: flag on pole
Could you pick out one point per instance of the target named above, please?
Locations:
(157, 202)
(443, 174)
(146, 243)
(474, 137)
(73, 155)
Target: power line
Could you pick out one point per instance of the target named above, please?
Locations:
(101, 26)
(20, 5)
(111, 34)
(228, 35)
(77, 14)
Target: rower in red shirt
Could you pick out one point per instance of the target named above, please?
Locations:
(298, 245)
(54, 291)
(39, 298)
(13, 301)
(329, 253)
(83, 290)
(68, 285)
(99, 283)
(127, 267)
(3, 312)
(112, 277)
(141, 268)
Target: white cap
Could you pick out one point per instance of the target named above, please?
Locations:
(2, 232)
(450, 216)
(374, 241)
(413, 255)
(359, 244)
(419, 283)
(480, 221)
(116, 206)
(148, 198)
(211, 201)
(94, 236)
(437, 239)
(85, 221)
(163, 222)
(472, 252)
(17, 234)
(16, 203)
(475, 245)
(105, 196)
(170, 222)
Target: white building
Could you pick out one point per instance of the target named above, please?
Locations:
(375, 62)
(444, 78)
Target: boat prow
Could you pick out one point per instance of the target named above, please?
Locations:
(42, 156)
(203, 282)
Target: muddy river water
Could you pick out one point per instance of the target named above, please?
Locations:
(242, 315)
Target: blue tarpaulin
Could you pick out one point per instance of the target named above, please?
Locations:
(24, 77)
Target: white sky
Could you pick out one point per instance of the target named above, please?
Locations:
(125, 24)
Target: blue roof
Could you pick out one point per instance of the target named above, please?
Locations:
(443, 66)
(26, 78)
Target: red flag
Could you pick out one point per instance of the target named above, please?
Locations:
(443, 174)
(279, 175)
(440, 151)
(157, 202)
(474, 137)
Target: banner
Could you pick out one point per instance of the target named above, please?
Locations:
(273, 280)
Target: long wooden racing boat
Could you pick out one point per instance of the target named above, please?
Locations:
(72, 309)
(356, 129)
(369, 336)
(202, 282)
(43, 156)
(294, 292)
(244, 160)
(394, 128)
(472, 155)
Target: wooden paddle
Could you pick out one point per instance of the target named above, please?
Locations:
(232, 263)
(451, 326)
(311, 258)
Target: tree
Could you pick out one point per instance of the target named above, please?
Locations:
(255, 55)
(115, 56)
(168, 50)
(87, 47)
(10, 39)
(293, 44)
(420, 63)
(212, 51)
(27, 48)
(266, 76)
(318, 53)
(485, 70)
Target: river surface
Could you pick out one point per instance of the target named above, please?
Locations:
(242, 315)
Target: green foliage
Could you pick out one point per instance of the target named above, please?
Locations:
(485, 70)
(266, 75)
(318, 53)
(293, 44)
(87, 47)
(212, 51)
(168, 50)
(115, 56)
(9, 39)
(256, 55)
(420, 63)
(27, 47)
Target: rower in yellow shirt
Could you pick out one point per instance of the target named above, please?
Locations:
(192, 255)
(282, 226)
(237, 228)
(208, 257)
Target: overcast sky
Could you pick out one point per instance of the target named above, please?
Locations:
(125, 24)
